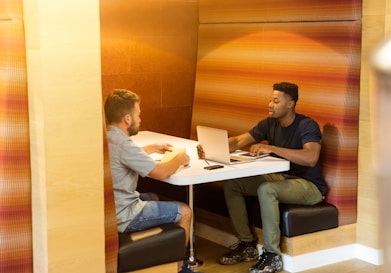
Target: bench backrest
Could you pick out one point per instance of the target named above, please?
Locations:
(241, 54)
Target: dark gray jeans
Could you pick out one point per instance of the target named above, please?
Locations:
(271, 190)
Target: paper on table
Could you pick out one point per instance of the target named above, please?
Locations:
(171, 154)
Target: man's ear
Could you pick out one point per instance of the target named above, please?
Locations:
(291, 104)
(127, 119)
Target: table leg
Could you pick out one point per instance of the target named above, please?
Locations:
(192, 260)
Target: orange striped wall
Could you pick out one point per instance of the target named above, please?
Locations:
(225, 11)
(15, 175)
(238, 63)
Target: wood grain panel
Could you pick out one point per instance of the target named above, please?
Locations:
(150, 47)
(238, 64)
(165, 268)
(64, 87)
(223, 11)
(111, 229)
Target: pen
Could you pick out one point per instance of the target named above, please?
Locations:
(206, 161)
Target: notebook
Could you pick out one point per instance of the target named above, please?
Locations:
(215, 144)
(171, 154)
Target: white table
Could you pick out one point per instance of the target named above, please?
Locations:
(195, 172)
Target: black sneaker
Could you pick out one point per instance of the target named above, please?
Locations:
(268, 263)
(242, 252)
(187, 269)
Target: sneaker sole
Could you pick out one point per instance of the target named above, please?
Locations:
(243, 260)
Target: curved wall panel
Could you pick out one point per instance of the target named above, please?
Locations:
(238, 64)
(228, 11)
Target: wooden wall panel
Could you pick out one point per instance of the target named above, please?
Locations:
(238, 64)
(223, 11)
(150, 47)
(65, 109)
(111, 228)
(376, 27)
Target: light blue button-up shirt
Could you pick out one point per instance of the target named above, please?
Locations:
(127, 161)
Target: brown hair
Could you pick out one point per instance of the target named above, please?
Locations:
(119, 103)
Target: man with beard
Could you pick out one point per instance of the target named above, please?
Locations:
(289, 135)
(138, 211)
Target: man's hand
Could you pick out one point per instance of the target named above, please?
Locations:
(259, 148)
(183, 159)
(159, 148)
(200, 151)
(163, 170)
(307, 156)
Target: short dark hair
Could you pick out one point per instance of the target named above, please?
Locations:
(119, 103)
(291, 89)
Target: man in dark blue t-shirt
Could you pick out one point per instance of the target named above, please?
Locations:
(288, 135)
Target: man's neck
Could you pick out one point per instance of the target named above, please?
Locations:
(288, 119)
(120, 126)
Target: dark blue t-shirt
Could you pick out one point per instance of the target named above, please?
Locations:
(302, 130)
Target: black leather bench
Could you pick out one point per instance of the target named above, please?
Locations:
(295, 219)
(298, 219)
(156, 246)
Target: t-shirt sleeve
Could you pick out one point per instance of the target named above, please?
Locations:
(260, 131)
(310, 131)
(136, 159)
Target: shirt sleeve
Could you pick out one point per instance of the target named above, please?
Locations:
(260, 131)
(310, 131)
(136, 159)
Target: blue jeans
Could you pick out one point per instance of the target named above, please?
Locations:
(155, 213)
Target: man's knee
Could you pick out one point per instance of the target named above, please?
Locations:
(266, 189)
(230, 186)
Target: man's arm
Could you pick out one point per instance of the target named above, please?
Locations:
(240, 141)
(165, 169)
(308, 156)
(159, 148)
(235, 143)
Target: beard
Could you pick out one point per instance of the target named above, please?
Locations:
(132, 129)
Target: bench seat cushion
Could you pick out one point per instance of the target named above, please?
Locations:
(164, 247)
(298, 219)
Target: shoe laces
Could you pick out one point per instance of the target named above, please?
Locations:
(236, 248)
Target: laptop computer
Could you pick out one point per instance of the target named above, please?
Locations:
(215, 144)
